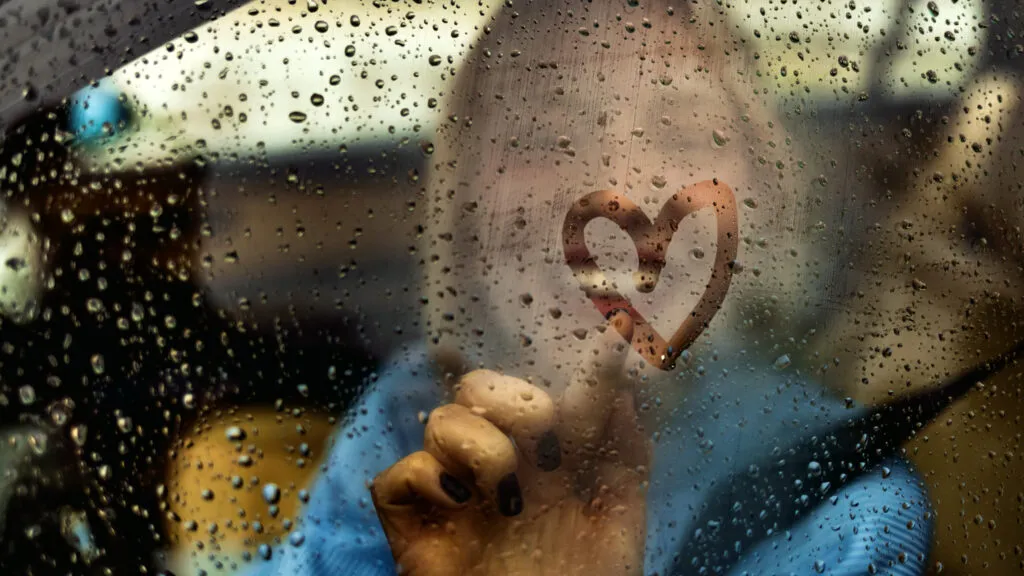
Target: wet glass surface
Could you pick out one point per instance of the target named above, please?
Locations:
(744, 276)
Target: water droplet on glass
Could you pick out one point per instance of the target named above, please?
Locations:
(321, 26)
(59, 414)
(37, 442)
(317, 99)
(235, 434)
(697, 253)
(434, 60)
(719, 138)
(297, 116)
(814, 469)
(27, 394)
(354, 20)
(580, 333)
(782, 362)
(658, 181)
(271, 493)
(79, 433)
(98, 365)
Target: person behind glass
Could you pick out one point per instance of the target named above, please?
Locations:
(525, 436)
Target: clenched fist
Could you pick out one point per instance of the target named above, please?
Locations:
(511, 481)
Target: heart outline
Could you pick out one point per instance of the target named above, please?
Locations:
(651, 240)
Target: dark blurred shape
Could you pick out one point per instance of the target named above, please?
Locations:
(126, 351)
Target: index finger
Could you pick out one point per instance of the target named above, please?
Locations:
(587, 403)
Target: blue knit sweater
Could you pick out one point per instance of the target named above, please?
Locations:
(727, 427)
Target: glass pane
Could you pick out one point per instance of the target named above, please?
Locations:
(604, 287)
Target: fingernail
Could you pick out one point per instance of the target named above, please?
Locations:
(454, 489)
(549, 452)
(510, 497)
(611, 313)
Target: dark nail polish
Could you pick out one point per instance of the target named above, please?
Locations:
(510, 497)
(611, 313)
(454, 489)
(549, 452)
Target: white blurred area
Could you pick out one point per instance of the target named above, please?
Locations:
(268, 60)
(825, 49)
(240, 84)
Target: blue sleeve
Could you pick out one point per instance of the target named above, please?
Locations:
(881, 523)
(340, 532)
(737, 487)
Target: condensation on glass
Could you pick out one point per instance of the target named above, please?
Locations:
(521, 287)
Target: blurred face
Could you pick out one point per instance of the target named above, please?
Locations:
(545, 115)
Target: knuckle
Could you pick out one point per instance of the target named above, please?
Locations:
(439, 415)
(418, 463)
(510, 403)
(501, 457)
(479, 377)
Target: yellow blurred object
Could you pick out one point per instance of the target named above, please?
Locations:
(233, 469)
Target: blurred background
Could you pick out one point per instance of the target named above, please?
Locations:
(316, 121)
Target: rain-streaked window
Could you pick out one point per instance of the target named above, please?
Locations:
(526, 287)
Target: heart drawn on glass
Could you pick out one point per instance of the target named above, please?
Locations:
(652, 240)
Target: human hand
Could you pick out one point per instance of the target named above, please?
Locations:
(511, 481)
